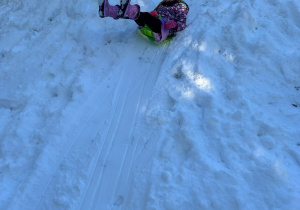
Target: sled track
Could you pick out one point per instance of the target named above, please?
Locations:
(111, 170)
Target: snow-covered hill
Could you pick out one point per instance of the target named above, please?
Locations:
(93, 116)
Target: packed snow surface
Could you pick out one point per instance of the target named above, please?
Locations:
(94, 116)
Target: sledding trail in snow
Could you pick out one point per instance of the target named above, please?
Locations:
(118, 148)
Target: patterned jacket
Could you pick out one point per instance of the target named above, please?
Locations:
(176, 11)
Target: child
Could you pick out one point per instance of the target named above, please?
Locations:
(165, 20)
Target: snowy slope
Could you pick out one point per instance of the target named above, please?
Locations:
(95, 117)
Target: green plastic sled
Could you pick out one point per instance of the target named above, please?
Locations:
(146, 32)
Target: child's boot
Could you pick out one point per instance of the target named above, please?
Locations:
(131, 11)
(106, 10)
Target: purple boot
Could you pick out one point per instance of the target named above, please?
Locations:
(131, 11)
(106, 10)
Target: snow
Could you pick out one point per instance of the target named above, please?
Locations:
(93, 116)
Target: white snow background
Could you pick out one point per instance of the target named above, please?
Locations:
(94, 116)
